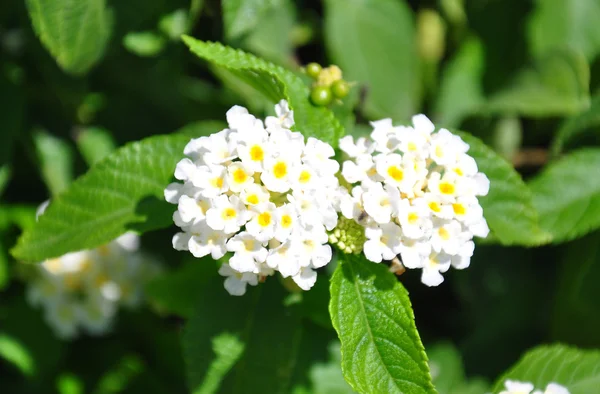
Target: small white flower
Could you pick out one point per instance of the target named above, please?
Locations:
(317, 153)
(447, 237)
(236, 281)
(191, 210)
(515, 387)
(362, 146)
(383, 242)
(284, 258)
(227, 214)
(239, 177)
(381, 203)
(247, 252)
(205, 241)
(211, 180)
(287, 219)
(279, 174)
(414, 219)
(394, 171)
(284, 118)
(554, 388)
(262, 226)
(255, 194)
(433, 267)
(306, 278)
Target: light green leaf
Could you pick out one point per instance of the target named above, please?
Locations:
(578, 126)
(4, 269)
(175, 24)
(275, 83)
(565, 24)
(144, 43)
(56, 161)
(13, 351)
(242, 16)
(258, 321)
(460, 92)
(373, 41)
(567, 195)
(575, 369)
(508, 207)
(557, 85)
(445, 363)
(105, 202)
(95, 144)
(372, 314)
(5, 175)
(75, 32)
(327, 378)
(228, 349)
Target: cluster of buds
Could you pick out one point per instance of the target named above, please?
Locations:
(83, 290)
(328, 84)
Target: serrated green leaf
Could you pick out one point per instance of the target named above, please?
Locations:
(95, 144)
(144, 43)
(259, 321)
(372, 314)
(275, 83)
(567, 195)
(242, 16)
(508, 207)
(575, 369)
(75, 32)
(565, 24)
(460, 92)
(556, 85)
(56, 161)
(373, 41)
(104, 203)
(578, 126)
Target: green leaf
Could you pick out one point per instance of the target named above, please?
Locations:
(567, 195)
(56, 161)
(557, 85)
(144, 43)
(372, 314)
(573, 368)
(175, 24)
(177, 292)
(275, 83)
(460, 92)
(448, 374)
(327, 378)
(13, 351)
(373, 41)
(242, 16)
(95, 144)
(258, 321)
(508, 208)
(577, 298)
(104, 203)
(75, 32)
(578, 126)
(565, 24)
(228, 349)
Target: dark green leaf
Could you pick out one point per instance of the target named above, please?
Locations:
(381, 348)
(75, 32)
(202, 128)
(103, 204)
(567, 195)
(242, 16)
(578, 126)
(373, 41)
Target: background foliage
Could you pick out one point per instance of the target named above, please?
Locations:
(79, 78)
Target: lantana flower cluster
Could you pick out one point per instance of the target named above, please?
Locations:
(515, 387)
(82, 291)
(415, 191)
(259, 191)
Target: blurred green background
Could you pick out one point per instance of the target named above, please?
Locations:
(519, 74)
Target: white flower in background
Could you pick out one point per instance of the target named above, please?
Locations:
(261, 193)
(515, 387)
(415, 191)
(82, 291)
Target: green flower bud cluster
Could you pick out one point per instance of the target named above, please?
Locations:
(328, 85)
(348, 236)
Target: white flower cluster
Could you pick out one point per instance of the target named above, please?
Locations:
(259, 191)
(83, 290)
(415, 191)
(515, 387)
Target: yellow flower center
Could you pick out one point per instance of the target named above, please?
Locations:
(434, 206)
(439, 151)
(304, 176)
(228, 213)
(239, 176)
(459, 171)
(459, 209)
(203, 205)
(444, 234)
(264, 219)
(257, 153)
(446, 188)
(217, 182)
(412, 146)
(249, 244)
(280, 170)
(412, 218)
(286, 221)
(395, 173)
(252, 199)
